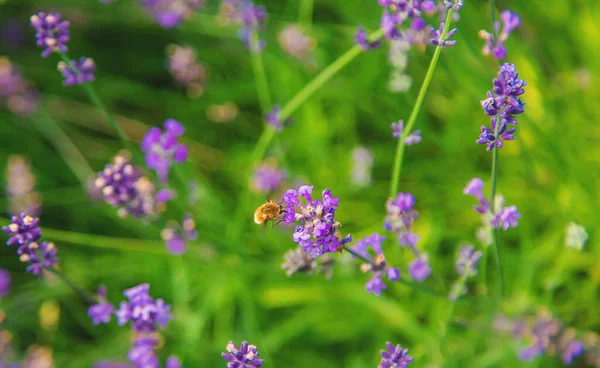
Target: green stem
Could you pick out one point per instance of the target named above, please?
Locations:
(89, 298)
(461, 285)
(93, 96)
(493, 17)
(305, 14)
(553, 281)
(495, 158)
(260, 79)
(416, 108)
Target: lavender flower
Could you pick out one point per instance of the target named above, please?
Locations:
(419, 269)
(274, 120)
(252, 19)
(295, 42)
(267, 177)
(510, 21)
(183, 65)
(101, 312)
(173, 362)
(318, 234)
(413, 137)
(400, 217)
(296, 260)
(467, 262)
(39, 256)
(163, 148)
(398, 59)
(170, 13)
(20, 186)
(244, 357)
(123, 186)
(396, 13)
(362, 40)
(362, 162)
(142, 353)
(576, 236)
(502, 103)
(15, 92)
(437, 40)
(78, 72)
(51, 33)
(145, 313)
(4, 283)
(176, 237)
(504, 217)
(377, 265)
(394, 357)
(455, 4)
(23, 230)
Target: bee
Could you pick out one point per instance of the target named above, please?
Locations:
(267, 212)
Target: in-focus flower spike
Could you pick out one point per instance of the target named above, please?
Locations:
(176, 237)
(274, 120)
(501, 104)
(362, 40)
(51, 33)
(456, 4)
(101, 312)
(319, 232)
(244, 357)
(23, 230)
(267, 177)
(436, 35)
(510, 21)
(398, 129)
(504, 217)
(163, 148)
(394, 357)
(145, 313)
(576, 236)
(79, 72)
(378, 265)
(123, 186)
(39, 256)
(362, 163)
(4, 282)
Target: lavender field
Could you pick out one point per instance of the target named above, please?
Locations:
(306, 183)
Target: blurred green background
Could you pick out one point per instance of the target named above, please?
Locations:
(229, 285)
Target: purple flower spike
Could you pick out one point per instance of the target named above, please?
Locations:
(244, 357)
(4, 283)
(455, 4)
(467, 262)
(176, 237)
(394, 357)
(173, 362)
(388, 24)
(79, 72)
(39, 256)
(398, 130)
(101, 312)
(145, 313)
(23, 230)
(507, 218)
(504, 217)
(419, 269)
(400, 217)
(574, 348)
(378, 265)
(437, 40)
(51, 33)
(267, 178)
(251, 18)
(274, 120)
(510, 21)
(142, 353)
(362, 40)
(163, 148)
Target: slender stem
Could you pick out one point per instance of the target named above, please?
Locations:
(305, 14)
(495, 158)
(416, 108)
(553, 281)
(89, 298)
(493, 16)
(93, 96)
(260, 79)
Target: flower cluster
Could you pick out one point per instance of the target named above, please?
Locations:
(25, 232)
(394, 357)
(544, 334)
(163, 148)
(466, 266)
(78, 71)
(186, 70)
(20, 186)
(399, 12)
(399, 219)
(16, 93)
(123, 186)
(176, 237)
(52, 33)
(250, 17)
(362, 163)
(273, 119)
(295, 42)
(298, 261)
(267, 177)
(510, 21)
(377, 265)
(362, 40)
(439, 39)
(319, 232)
(170, 13)
(400, 81)
(246, 356)
(502, 103)
(398, 131)
(576, 236)
(504, 217)
(145, 314)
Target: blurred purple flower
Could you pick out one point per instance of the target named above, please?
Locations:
(394, 357)
(52, 34)
(101, 312)
(15, 92)
(318, 234)
(176, 237)
(79, 72)
(244, 357)
(142, 353)
(173, 362)
(468, 260)
(504, 217)
(419, 269)
(398, 130)
(295, 42)
(362, 40)
(170, 13)
(400, 217)
(185, 68)
(362, 162)
(4, 283)
(163, 148)
(378, 266)
(507, 218)
(20, 187)
(274, 120)
(145, 313)
(437, 40)
(267, 177)
(510, 21)
(251, 18)
(456, 4)
(39, 256)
